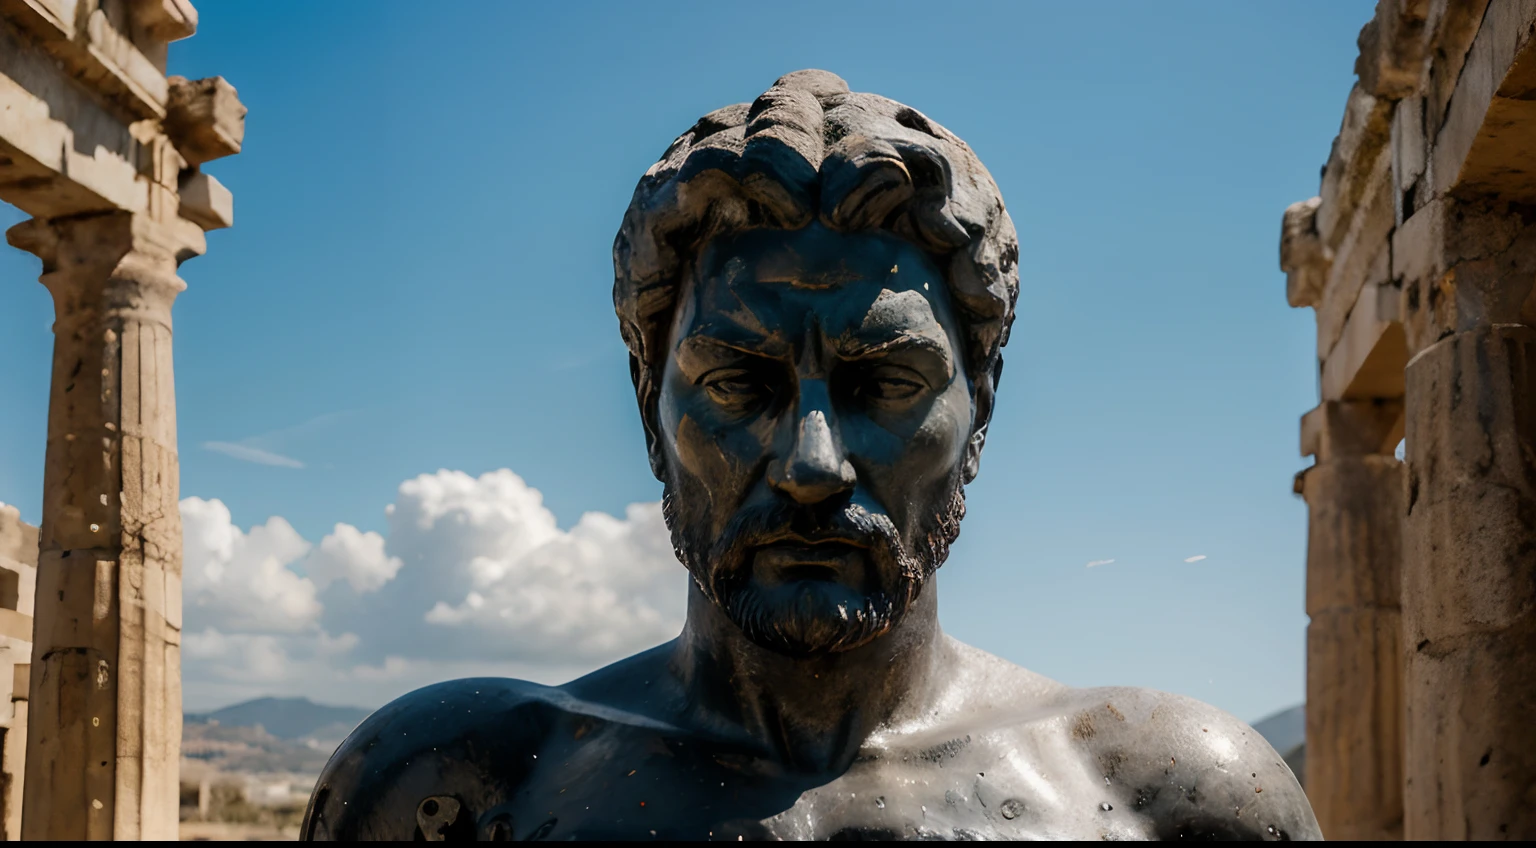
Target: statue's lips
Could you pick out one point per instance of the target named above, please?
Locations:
(791, 560)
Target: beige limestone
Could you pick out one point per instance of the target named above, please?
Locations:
(1303, 256)
(1354, 496)
(1347, 176)
(111, 535)
(1419, 257)
(1367, 360)
(104, 151)
(1392, 49)
(1470, 587)
(18, 576)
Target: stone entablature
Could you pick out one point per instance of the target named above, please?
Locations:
(1419, 259)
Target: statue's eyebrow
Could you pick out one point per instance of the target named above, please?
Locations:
(850, 346)
(701, 351)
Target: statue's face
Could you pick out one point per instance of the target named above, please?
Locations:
(814, 413)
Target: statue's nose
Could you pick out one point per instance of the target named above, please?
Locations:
(816, 467)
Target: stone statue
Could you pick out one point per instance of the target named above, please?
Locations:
(814, 290)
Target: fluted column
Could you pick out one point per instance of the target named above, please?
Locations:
(1354, 497)
(103, 738)
(1469, 598)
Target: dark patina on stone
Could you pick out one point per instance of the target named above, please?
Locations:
(815, 289)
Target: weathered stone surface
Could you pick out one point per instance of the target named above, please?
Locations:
(206, 119)
(1359, 258)
(1469, 588)
(1392, 46)
(1354, 533)
(206, 202)
(96, 144)
(18, 540)
(1505, 32)
(1463, 264)
(1303, 256)
(61, 152)
(1354, 724)
(1367, 361)
(13, 752)
(95, 53)
(1354, 496)
(18, 577)
(1362, 138)
(1472, 491)
(1351, 428)
(107, 694)
(1500, 163)
(1428, 301)
(1410, 152)
(164, 20)
(1454, 24)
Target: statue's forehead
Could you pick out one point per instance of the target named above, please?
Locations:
(870, 279)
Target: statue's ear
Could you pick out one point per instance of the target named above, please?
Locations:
(647, 396)
(986, 392)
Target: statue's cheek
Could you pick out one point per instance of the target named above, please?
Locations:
(927, 445)
(717, 456)
(939, 442)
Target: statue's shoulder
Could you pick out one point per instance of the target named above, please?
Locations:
(471, 739)
(1195, 771)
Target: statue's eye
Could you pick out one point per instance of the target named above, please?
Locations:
(735, 387)
(891, 383)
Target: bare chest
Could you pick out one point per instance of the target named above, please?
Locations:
(967, 789)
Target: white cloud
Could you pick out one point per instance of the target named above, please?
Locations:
(352, 555)
(250, 454)
(620, 572)
(1195, 558)
(1098, 562)
(242, 581)
(474, 577)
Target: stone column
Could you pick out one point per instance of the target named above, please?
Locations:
(1354, 497)
(1469, 589)
(1469, 570)
(105, 710)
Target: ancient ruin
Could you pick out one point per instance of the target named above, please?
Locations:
(18, 576)
(104, 151)
(815, 290)
(1419, 258)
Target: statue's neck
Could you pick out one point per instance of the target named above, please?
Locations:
(811, 714)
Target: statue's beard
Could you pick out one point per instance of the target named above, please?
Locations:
(807, 618)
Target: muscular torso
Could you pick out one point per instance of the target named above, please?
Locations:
(501, 759)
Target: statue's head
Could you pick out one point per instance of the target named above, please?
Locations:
(815, 290)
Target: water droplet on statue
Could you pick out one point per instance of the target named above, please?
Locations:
(879, 802)
(1011, 808)
(1105, 807)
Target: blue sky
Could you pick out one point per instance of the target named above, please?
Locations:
(419, 278)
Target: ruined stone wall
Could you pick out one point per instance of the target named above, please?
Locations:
(18, 577)
(1419, 260)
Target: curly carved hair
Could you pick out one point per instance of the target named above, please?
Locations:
(809, 149)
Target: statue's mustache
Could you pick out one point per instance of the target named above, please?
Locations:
(772, 522)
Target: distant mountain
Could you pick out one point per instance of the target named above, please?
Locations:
(287, 718)
(1284, 730)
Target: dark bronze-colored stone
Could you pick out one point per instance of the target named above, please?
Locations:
(814, 290)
